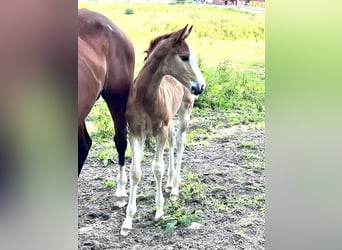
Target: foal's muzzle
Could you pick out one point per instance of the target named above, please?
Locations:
(197, 89)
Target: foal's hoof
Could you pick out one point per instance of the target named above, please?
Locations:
(119, 201)
(126, 227)
(168, 189)
(173, 197)
(124, 231)
(159, 214)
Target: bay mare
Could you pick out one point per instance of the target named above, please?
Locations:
(105, 68)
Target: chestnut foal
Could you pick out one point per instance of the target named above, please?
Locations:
(163, 87)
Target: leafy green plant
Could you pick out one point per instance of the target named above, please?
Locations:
(241, 92)
(169, 223)
(193, 190)
(129, 11)
(109, 183)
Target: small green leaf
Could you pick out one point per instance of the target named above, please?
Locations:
(197, 215)
(185, 221)
(105, 162)
(109, 183)
(178, 213)
(169, 228)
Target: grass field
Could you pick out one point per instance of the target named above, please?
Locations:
(229, 45)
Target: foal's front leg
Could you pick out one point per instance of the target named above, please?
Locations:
(158, 170)
(135, 176)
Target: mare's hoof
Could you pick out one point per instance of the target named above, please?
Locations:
(119, 201)
(168, 189)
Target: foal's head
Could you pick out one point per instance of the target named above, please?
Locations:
(177, 59)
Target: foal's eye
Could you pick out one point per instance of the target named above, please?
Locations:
(184, 58)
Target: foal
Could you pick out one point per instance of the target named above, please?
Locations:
(164, 86)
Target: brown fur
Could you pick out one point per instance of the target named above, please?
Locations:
(160, 90)
(105, 66)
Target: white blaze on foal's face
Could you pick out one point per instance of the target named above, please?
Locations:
(198, 86)
(187, 71)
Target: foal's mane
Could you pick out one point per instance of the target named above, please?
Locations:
(155, 42)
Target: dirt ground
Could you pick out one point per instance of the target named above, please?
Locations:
(225, 171)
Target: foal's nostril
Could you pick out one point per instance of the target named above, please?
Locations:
(197, 89)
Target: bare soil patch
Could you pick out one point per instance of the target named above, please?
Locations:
(225, 177)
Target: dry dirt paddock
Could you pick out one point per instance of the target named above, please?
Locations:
(223, 180)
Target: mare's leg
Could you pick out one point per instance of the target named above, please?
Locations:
(183, 121)
(137, 144)
(84, 144)
(171, 170)
(120, 140)
(116, 107)
(158, 169)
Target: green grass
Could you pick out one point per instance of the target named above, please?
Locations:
(109, 183)
(229, 45)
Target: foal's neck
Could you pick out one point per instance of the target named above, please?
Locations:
(149, 79)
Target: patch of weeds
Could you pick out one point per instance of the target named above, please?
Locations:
(218, 188)
(169, 223)
(217, 204)
(239, 233)
(192, 177)
(197, 136)
(171, 207)
(109, 183)
(247, 145)
(129, 11)
(250, 186)
(255, 202)
(193, 190)
(100, 120)
(245, 222)
(255, 165)
(104, 157)
(240, 91)
(248, 155)
(144, 196)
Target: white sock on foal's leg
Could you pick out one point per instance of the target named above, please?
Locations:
(135, 176)
(171, 170)
(158, 170)
(183, 121)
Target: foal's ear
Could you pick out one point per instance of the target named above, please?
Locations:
(183, 33)
(188, 32)
(147, 54)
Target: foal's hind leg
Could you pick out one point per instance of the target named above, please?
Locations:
(183, 121)
(117, 109)
(171, 170)
(84, 144)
